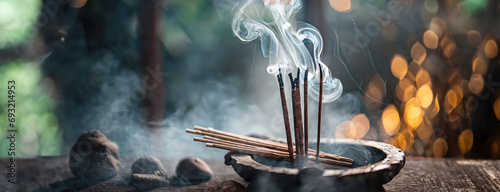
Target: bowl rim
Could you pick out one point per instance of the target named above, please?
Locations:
(393, 162)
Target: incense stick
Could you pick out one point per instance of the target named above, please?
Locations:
(320, 101)
(263, 152)
(257, 142)
(306, 113)
(285, 118)
(297, 121)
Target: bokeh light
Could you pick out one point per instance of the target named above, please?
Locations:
(77, 3)
(343, 6)
(491, 48)
(431, 39)
(465, 140)
(425, 96)
(440, 148)
(399, 66)
(423, 78)
(359, 126)
(390, 120)
(476, 83)
(425, 130)
(496, 107)
(479, 66)
(413, 114)
(418, 53)
(343, 130)
(375, 92)
(474, 38)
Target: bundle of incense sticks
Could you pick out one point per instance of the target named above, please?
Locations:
(260, 147)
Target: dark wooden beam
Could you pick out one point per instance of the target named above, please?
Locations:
(150, 61)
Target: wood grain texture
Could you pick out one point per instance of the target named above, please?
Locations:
(419, 174)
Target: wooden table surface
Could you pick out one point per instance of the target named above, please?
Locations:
(419, 174)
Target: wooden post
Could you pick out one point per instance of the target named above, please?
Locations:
(150, 61)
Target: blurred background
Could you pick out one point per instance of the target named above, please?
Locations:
(421, 75)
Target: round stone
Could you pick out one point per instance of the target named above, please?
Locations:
(193, 170)
(148, 165)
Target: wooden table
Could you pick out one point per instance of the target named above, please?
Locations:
(419, 174)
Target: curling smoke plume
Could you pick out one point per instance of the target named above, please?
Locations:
(283, 41)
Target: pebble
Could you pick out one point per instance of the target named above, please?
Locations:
(94, 157)
(193, 171)
(148, 165)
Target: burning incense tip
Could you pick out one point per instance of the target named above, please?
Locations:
(291, 80)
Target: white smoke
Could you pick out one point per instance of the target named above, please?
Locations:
(283, 41)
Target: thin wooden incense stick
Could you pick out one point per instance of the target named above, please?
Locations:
(306, 113)
(263, 152)
(256, 142)
(297, 121)
(285, 118)
(320, 101)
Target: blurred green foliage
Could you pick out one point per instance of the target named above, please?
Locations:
(36, 122)
(473, 7)
(17, 18)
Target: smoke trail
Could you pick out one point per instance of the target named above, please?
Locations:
(283, 41)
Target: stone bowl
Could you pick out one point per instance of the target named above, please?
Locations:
(376, 163)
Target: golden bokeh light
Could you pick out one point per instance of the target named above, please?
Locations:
(449, 49)
(390, 120)
(447, 39)
(495, 150)
(437, 25)
(343, 130)
(459, 91)
(399, 66)
(413, 68)
(474, 38)
(425, 130)
(401, 142)
(360, 125)
(431, 39)
(343, 6)
(409, 92)
(433, 110)
(476, 83)
(409, 138)
(413, 114)
(450, 101)
(425, 96)
(496, 107)
(77, 3)
(418, 53)
(465, 140)
(401, 87)
(448, 45)
(374, 93)
(440, 148)
(423, 78)
(455, 78)
(470, 106)
(490, 48)
(479, 66)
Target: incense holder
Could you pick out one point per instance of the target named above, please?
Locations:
(376, 163)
